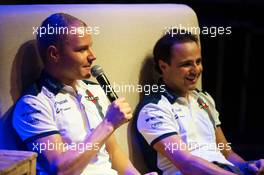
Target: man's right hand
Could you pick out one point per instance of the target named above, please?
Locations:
(118, 113)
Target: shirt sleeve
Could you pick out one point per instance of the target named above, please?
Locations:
(156, 122)
(213, 110)
(33, 119)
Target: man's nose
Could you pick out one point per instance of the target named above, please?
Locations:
(91, 55)
(195, 68)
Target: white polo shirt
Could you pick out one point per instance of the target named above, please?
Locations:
(49, 107)
(164, 114)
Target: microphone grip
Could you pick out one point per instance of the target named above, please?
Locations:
(105, 84)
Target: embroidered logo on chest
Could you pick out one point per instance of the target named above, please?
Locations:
(177, 113)
(61, 105)
(202, 104)
(91, 98)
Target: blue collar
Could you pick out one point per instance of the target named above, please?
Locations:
(50, 83)
(168, 93)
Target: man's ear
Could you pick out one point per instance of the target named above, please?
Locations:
(162, 65)
(53, 54)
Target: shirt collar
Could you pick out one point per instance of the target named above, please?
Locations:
(168, 93)
(50, 83)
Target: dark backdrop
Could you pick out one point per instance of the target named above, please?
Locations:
(232, 65)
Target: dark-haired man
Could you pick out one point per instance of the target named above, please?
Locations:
(180, 127)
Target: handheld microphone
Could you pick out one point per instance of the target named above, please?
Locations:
(98, 73)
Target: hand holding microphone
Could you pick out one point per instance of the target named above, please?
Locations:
(119, 111)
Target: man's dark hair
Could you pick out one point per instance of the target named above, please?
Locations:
(57, 20)
(162, 48)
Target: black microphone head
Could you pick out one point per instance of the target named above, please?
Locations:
(98, 73)
(96, 70)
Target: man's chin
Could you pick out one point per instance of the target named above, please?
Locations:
(83, 77)
(88, 76)
(192, 87)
